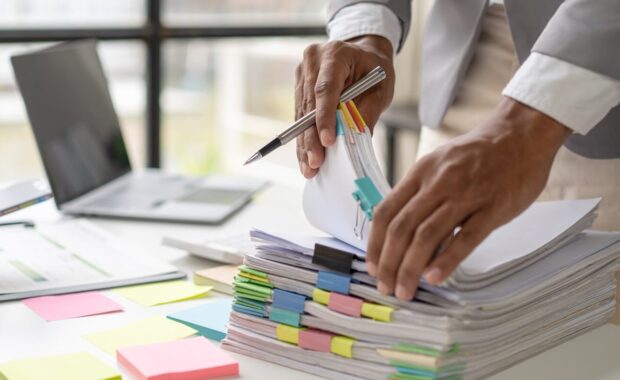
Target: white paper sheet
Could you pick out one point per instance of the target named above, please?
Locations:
(328, 202)
(534, 228)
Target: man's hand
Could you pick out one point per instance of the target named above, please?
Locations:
(476, 182)
(325, 72)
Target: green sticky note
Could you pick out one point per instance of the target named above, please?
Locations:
(245, 268)
(150, 330)
(253, 288)
(163, 292)
(75, 366)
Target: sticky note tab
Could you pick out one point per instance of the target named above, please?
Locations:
(343, 346)
(287, 333)
(209, 320)
(339, 124)
(345, 304)
(185, 359)
(288, 300)
(284, 316)
(246, 269)
(150, 330)
(163, 292)
(333, 282)
(377, 312)
(315, 340)
(320, 296)
(52, 308)
(75, 366)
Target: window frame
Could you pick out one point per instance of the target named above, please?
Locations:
(154, 33)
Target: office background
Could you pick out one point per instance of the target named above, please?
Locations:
(197, 84)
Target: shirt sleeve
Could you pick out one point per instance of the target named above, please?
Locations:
(363, 19)
(574, 96)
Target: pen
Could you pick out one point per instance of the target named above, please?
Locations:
(375, 76)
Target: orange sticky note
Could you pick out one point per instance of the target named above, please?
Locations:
(185, 359)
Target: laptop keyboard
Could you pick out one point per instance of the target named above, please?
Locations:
(141, 193)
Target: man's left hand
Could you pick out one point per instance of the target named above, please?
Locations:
(471, 185)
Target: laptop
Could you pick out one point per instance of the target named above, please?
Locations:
(80, 142)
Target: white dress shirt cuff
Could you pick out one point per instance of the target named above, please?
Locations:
(363, 19)
(574, 96)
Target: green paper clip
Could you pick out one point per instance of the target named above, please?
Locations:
(366, 195)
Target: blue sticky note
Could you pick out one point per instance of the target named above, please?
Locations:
(209, 319)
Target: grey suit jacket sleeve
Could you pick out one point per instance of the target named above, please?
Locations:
(585, 33)
(401, 8)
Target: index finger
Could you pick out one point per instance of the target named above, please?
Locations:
(329, 85)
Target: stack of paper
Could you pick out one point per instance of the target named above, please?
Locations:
(308, 302)
(312, 317)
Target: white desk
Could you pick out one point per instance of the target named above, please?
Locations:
(23, 334)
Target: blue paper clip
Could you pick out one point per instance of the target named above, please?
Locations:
(333, 282)
(288, 301)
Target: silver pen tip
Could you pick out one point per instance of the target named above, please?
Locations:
(255, 157)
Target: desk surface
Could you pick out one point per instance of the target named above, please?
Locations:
(594, 355)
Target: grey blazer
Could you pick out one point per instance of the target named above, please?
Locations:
(583, 32)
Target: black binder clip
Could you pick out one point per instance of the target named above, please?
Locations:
(332, 258)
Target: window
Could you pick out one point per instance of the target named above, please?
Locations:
(212, 78)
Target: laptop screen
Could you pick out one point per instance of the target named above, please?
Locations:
(72, 117)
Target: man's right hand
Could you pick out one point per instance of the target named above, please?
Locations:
(325, 72)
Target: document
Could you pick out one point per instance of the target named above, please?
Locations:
(69, 256)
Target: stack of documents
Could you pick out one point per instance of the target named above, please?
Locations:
(308, 303)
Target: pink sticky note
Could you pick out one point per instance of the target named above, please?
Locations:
(315, 340)
(52, 308)
(185, 359)
(345, 304)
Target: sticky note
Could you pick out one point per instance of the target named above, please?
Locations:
(52, 308)
(284, 316)
(320, 296)
(315, 340)
(287, 333)
(74, 366)
(345, 304)
(150, 330)
(185, 359)
(209, 320)
(163, 292)
(377, 312)
(343, 346)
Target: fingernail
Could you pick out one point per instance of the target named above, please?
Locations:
(371, 267)
(326, 138)
(403, 293)
(383, 288)
(433, 276)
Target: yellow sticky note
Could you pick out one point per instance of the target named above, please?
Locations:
(320, 296)
(377, 312)
(343, 346)
(254, 277)
(287, 333)
(163, 292)
(150, 330)
(76, 366)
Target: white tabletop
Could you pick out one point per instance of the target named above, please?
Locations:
(594, 355)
